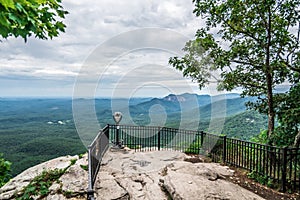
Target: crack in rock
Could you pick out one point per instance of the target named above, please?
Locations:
(153, 178)
(126, 196)
(141, 163)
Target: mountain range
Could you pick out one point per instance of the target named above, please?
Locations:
(33, 130)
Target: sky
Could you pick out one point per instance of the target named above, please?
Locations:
(110, 49)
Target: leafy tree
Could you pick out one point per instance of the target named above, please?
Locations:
(252, 43)
(4, 171)
(288, 118)
(24, 18)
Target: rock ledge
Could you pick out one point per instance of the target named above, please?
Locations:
(136, 175)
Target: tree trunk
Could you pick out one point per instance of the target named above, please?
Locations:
(297, 140)
(269, 78)
(271, 112)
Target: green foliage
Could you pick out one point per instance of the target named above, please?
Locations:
(195, 147)
(26, 138)
(260, 51)
(73, 161)
(288, 118)
(40, 185)
(24, 18)
(68, 194)
(245, 125)
(264, 180)
(4, 170)
(262, 138)
(84, 167)
(81, 155)
(242, 25)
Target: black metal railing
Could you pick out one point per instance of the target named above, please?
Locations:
(96, 152)
(149, 138)
(279, 165)
(272, 165)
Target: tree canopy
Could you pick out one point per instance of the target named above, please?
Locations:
(24, 18)
(254, 45)
(288, 114)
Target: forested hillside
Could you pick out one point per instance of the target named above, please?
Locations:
(35, 130)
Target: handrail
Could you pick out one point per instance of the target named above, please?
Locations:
(281, 165)
(96, 151)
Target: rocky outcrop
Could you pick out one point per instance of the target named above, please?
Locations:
(16, 185)
(127, 174)
(165, 175)
(202, 181)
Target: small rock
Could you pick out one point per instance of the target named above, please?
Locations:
(193, 159)
(56, 197)
(127, 149)
(54, 188)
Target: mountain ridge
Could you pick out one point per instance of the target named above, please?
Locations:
(28, 126)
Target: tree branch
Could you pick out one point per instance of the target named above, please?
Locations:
(245, 33)
(244, 63)
(262, 17)
(253, 85)
(290, 66)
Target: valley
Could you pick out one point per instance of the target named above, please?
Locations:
(33, 130)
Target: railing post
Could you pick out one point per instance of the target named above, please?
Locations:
(202, 138)
(90, 191)
(117, 135)
(158, 140)
(283, 170)
(107, 132)
(224, 148)
(90, 195)
(198, 142)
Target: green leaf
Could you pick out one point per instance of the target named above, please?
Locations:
(31, 189)
(4, 21)
(20, 8)
(8, 4)
(12, 17)
(40, 18)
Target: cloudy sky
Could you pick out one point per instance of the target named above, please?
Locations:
(110, 48)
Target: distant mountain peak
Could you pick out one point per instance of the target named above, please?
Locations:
(174, 98)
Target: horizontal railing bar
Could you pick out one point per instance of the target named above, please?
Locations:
(262, 158)
(99, 133)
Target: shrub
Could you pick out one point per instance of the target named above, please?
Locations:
(4, 170)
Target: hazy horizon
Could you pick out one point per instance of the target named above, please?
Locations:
(99, 97)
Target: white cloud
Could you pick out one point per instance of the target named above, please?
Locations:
(56, 72)
(90, 23)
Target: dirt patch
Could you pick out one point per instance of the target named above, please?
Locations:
(240, 177)
(194, 158)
